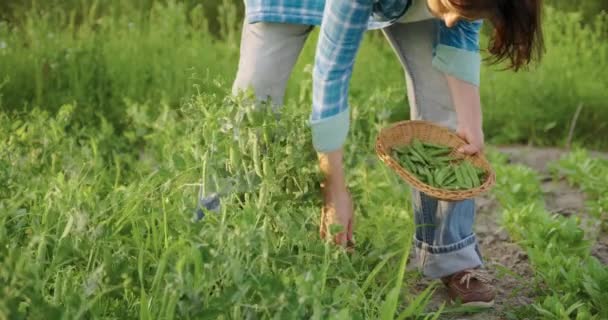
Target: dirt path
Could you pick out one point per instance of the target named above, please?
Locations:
(561, 198)
(506, 261)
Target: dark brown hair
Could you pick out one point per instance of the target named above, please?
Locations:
(517, 36)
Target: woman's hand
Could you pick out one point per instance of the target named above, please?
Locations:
(338, 205)
(338, 210)
(473, 135)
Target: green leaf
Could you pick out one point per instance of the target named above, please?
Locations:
(335, 228)
(389, 306)
(179, 162)
(549, 126)
(419, 303)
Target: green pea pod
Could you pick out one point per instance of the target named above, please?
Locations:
(418, 149)
(438, 152)
(468, 176)
(442, 175)
(401, 150)
(436, 177)
(234, 158)
(442, 160)
(422, 170)
(480, 173)
(451, 178)
(404, 161)
(476, 179)
(417, 145)
(435, 146)
(467, 182)
(430, 179)
(416, 157)
(460, 180)
(409, 164)
(424, 174)
(255, 155)
(266, 167)
(472, 174)
(468, 170)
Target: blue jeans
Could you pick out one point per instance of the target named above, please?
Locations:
(444, 238)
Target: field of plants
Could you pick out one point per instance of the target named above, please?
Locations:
(133, 186)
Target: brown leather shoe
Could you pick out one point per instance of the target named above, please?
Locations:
(471, 287)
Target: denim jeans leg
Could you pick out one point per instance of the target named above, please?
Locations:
(444, 238)
(445, 242)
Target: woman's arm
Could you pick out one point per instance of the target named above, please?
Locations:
(344, 22)
(467, 103)
(457, 55)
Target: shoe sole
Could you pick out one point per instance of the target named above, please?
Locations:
(479, 304)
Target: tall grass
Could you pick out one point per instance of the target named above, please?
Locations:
(573, 281)
(165, 55)
(101, 56)
(96, 224)
(540, 104)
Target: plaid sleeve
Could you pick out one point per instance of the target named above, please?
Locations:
(457, 50)
(342, 28)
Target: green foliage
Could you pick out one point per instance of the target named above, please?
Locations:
(156, 55)
(539, 105)
(113, 124)
(103, 55)
(95, 223)
(589, 173)
(587, 8)
(574, 282)
(516, 185)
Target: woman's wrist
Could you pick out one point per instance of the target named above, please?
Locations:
(332, 167)
(467, 104)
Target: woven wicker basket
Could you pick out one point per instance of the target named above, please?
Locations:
(402, 133)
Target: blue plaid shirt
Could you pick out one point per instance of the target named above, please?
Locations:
(343, 23)
(310, 12)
